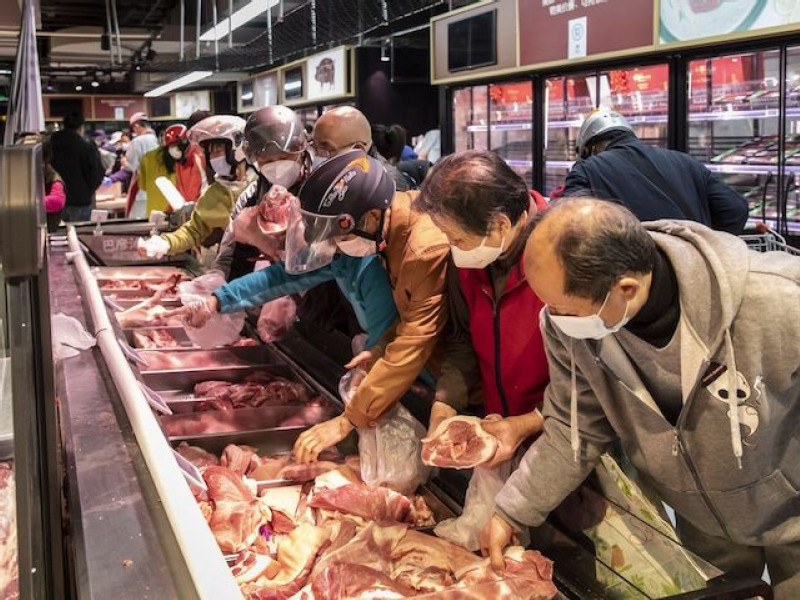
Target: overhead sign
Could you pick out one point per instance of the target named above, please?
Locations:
(688, 20)
(326, 74)
(117, 108)
(559, 30)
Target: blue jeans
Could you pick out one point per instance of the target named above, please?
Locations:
(76, 213)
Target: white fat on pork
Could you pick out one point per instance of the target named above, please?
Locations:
(459, 443)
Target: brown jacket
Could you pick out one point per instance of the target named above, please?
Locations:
(416, 259)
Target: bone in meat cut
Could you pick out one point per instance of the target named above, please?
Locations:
(458, 443)
(371, 503)
(428, 563)
(296, 555)
(250, 566)
(237, 458)
(237, 512)
(283, 503)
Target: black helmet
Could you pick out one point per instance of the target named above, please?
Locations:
(332, 202)
(273, 129)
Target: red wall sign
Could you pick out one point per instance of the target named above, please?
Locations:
(547, 26)
(117, 108)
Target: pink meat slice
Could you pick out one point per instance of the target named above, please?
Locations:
(527, 571)
(371, 503)
(237, 514)
(345, 581)
(238, 458)
(459, 443)
(197, 456)
(211, 388)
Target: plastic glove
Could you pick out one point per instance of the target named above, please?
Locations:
(276, 319)
(198, 313)
(153, 247)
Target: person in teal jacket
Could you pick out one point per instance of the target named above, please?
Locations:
(363, 281)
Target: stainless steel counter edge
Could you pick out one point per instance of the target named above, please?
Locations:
(209, 573)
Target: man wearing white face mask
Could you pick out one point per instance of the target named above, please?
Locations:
(483, 207)
(681, 345)
(220, 138)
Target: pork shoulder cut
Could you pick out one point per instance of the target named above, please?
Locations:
(459, 443)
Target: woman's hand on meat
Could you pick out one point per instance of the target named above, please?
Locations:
(510, 433)
(321, 437)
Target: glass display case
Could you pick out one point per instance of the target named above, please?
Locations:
(638, 93)
(471, 118)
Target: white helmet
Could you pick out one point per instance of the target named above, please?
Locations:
(221, 127)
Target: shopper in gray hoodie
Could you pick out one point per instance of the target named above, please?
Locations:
(682, 345)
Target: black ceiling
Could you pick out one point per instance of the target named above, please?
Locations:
(60, 14)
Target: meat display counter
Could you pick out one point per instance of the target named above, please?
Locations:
(198, 443)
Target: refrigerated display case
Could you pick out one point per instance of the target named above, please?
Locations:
(638, 93)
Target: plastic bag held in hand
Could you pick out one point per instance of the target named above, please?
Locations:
(204, 327)
(478, 507)
(153, 247)
(390, 452)
(264, 225)
(276, 318)
(69, 337)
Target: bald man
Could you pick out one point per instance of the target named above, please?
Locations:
(346, 128)
(683, 346)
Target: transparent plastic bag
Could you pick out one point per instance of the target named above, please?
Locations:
(69, 337)
(390, 452)
(219, 330)
(478, 507)
(276, 319)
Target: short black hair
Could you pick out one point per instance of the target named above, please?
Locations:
(598, 248)
(471, 188)
(389, 141)
(73, 121)
(198, 116)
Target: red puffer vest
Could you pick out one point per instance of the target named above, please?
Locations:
(506, 338)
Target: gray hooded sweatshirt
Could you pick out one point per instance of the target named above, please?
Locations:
(731, 465)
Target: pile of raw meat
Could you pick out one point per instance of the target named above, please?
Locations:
(148, 339)
(9, 577)
(459, 443)
(331, 537)
(258, 389)
(167, 287)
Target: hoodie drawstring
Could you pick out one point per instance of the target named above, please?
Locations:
(574, 433)
(733, 399)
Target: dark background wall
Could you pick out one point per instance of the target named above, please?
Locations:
(412, 105)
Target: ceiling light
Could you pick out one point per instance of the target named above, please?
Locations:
(95, 84)
(180, 82)
(385, 54)
(5, 72)
(78, 88)
(239, 18)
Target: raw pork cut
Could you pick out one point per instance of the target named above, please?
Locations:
(237, 458)
(347, 581)
(250, 566)
(530, 573)
(252, 393)
(371, 503)
(149, 339)
(283, 502)
(458, 443)
(296, 556)
(197, 456)
(9, 573)
(237, 513)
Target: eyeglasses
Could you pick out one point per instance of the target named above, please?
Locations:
(325, 153)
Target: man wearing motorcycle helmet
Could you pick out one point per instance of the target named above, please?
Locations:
(275, 146)
(219, 138)
(347, 207)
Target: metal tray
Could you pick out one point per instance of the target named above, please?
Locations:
(168, 303)
(264, 420)
(159, 273)
(178, 333)
(208, 362)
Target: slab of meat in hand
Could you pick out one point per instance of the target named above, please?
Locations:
(346, 581)
(238, 514)
(197, 456)
(371, 503)
(458, 443)
(296, 555)
(238, 458)
(530, 573)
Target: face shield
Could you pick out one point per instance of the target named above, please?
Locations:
(310, 237)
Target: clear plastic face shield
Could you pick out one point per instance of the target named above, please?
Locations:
(310, 239)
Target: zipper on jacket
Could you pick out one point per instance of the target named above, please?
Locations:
(497, 352)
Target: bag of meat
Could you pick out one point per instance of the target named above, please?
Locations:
(276, 319)
(264, 225)
(459, 443)
(478, 507)
(390, 452)
(219, 330)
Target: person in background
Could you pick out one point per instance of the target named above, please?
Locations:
(276, 147)
(664, 338)
(346, 128)
(119, 172)
(55, 196)
(78, 163)
(144, 141)
(220, 139)
(653, 183)
(430, 146)
(389, 142)
(190, 162)
(484, 208)
(107, 157)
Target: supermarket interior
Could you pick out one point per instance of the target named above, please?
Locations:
(377, 299)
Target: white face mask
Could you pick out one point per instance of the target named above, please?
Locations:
(175, 152)
(221, 166)
(477, 258)
(591, 327)
(358, 246)
(281, 172)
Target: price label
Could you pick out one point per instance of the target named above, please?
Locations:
(190, 472)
